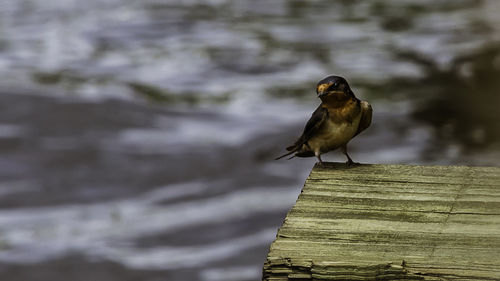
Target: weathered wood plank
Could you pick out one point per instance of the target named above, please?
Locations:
(391, 222)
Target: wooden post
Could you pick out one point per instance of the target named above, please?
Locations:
(391, 222)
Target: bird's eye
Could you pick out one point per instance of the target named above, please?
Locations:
(334, 85)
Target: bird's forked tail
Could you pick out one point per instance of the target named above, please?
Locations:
(292, 149)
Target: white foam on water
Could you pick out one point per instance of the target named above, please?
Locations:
(10, 131)
(235, 273)
(107, 229)
(187, 257)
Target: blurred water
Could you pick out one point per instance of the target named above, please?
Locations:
(137, 137)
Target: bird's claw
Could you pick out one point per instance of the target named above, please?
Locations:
(351, 163)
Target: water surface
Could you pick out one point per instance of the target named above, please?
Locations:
(137, 138)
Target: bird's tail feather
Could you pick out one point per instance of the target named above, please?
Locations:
(286, 154)
(292, 149)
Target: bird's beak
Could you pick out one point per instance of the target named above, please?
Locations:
(322, 90)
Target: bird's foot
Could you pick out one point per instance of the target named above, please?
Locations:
(351, 163)
(318, 155)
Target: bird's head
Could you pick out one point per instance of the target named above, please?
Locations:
(334, 87)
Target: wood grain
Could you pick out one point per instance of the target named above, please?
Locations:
(391, 222)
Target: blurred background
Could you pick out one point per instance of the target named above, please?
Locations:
(137, 137)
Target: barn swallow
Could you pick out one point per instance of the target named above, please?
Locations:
(339, 118)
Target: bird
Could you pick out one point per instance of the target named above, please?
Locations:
(339, 118)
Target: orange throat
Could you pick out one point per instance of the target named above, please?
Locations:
(336, 100)
(341, 110)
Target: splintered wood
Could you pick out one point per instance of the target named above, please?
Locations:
(391, 222)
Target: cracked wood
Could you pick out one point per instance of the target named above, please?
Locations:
(391, 222)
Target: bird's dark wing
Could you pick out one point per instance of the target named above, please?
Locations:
(366, 116)
(319, 116)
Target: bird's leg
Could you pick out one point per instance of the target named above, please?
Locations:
(318, 155)
(349, 160)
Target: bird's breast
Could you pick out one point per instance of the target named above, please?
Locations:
(334, 134)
